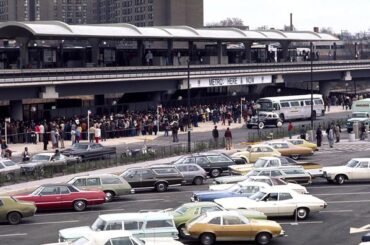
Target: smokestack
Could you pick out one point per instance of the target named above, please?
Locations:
(291, 22)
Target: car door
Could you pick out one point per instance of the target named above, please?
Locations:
(133, 177)
(184, 170)
(204, 163)
(147, 178)
(286, 204)
(249, 189)
(361, 171)
(234, 228)
(66, 198)
(256, 152)
(3, 210)
(269, 204)
(93, 183)
(48, 198)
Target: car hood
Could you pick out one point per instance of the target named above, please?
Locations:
(16, 167)
(296, 187)
(335, 169)
(233, 202)
(230, 179)
(358, 119)
(220, 187)
(69, 151)
(33, 164)
(210, 193)
(268, 223)
(75, 233)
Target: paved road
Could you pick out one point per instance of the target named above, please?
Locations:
(348, 207)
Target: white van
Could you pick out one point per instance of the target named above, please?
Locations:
(360, 113)
(141, 225)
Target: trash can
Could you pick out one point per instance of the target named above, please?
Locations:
(351, 137)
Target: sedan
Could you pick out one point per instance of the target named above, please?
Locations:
(193, 173)
(63, 196)
(13, 211)
(9, 169)
(277, 203)
(231, 226)
(89, 151)
(289, 150)
(253, 152)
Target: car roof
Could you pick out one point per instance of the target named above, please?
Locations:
(56, 184)
(161, 166)
(96, 175)
(207, 154)
(102, 236)
(260, 145)
(219, 213)
(268, 158)
(281, 168)
(136, 216)
(199, 204)
(361, 159)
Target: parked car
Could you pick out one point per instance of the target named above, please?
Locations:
(193, 173)
(253, 152)
(41, 160)
(62, 196)
(269, 119)
(112, 185)
(142, 225)
(157, 177)
(188, 211)
(212, 163)
(212, 227)
(289, 150)
(89, 151)
(12, 210)
(273, 202)
(303, 143)
(314, 169)
(9, 170)
(357, 169)
(271, 181)
(366, 237)
(358, 117)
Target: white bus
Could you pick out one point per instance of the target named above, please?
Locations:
(293, 107)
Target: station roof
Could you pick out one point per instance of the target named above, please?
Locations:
(60, 30)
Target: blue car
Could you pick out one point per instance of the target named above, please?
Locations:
(236, 190)
(366, 238)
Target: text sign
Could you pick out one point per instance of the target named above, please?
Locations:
(229, 81)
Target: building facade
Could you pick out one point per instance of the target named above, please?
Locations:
(136, 12)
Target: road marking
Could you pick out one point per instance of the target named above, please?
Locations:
(124, 202)
(336, 187)
(365, 228)
(15, 234)
(340, 194)
(336, 211)
(355, 201)
(54, 222)
(74, 213)
(303, 223)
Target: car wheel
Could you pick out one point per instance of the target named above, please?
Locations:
(10, 177)
(79, 205)
(295, 156)
(198, 181)
(161, 187)
(340, 179)
(14, 218)
(215, 173)
(301, 213)
(181, 229)
(263, 238)
(109, 195)
(207, 239)
(261, 125)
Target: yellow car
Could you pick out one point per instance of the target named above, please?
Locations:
(253, 152)
(218, 226)
(303, 143)
(289, 150)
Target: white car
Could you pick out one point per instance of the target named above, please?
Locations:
(9, 169)
(274, 202)
(355, 169)
(270, 181)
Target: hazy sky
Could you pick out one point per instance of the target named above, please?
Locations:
(351, 15)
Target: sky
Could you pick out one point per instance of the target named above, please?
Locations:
(350, 15)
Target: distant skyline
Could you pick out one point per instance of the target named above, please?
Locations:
(352, 16)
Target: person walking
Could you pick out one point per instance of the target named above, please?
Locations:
(303, 132)
(290, 129)
(46, 141)
(97, 134)
(175, 130)
(215, 135)
(319, 136)
(337, 131)
(228, 139)
(362, 131)
(330, 136)
(91, 133)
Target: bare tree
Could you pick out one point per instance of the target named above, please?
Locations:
(237, 22)
(327, 30)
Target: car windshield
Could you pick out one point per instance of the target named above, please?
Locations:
(358, 115)
(36, 192)
(80, 147)
(352, 163)
(98, 225)
(40, 158)
(181, 210)
(260, 163)
(9, 163)
(234, 188)
(180, 160)
(128, 173)
(258, 196)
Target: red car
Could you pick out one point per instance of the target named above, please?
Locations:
(63, 196)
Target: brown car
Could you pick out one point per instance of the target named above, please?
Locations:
(157, 177)
(289, 150)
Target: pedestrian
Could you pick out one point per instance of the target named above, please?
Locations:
(362, 131)
(91, 133)
(215, 135)
(228, 139)
(175, 130)
(97, 134)
(25, 155)
(330, 135)
(303, 132)
(337, 131)
(290, 129)
(42, 132)
(46, 141)
(319, 136)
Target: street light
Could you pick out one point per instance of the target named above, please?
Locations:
(241, 109)
(311, 56)
(189, 133)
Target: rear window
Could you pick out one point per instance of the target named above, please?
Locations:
(153, 224)
(165, 171)
(219, 159)
(293, 171)
(111, 180)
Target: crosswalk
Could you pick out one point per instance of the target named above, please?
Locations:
(344, 147)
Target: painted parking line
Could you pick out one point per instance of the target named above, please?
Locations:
(74, 213)
(53, 222)
(124, 202)
(342, 193)
(302, 223)
(13, 235)
(337, 187)
(354, 201)
(337, 211)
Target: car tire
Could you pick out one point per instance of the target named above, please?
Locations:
(198, 180)
(295, 156)
(79, 205)
(301, 213)
(263, 238)
(109, 195)
(261, 125)
(215, 172)
(10, 177)
(207, 239)
(182, 234)
(340, 179)
(161, 187)
(14, 218)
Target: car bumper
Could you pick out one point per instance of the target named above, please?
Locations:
(282, 234)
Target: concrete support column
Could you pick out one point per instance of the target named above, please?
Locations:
(335, 51)
(169, 52)
(247, 52)
(16, 110)
(325, 88)
(95, 50)
(219, 52)
(140, 52)
(23, 52)
(285, 49)
(191, 50)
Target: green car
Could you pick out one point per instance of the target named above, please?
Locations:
(188, 211)
(13, 211)
(111, 184)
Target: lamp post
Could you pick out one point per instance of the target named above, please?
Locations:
(311, 57)
(189, 133)
(241, 109)
(88, 125)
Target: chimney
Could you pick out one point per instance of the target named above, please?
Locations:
(291, 22)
